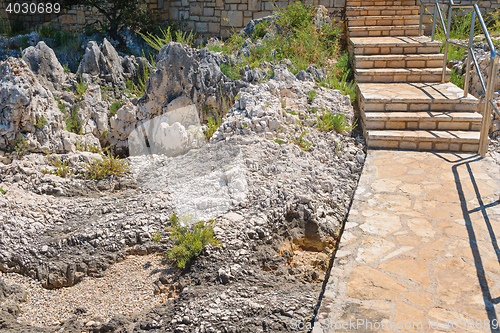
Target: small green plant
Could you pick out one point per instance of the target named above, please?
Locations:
(2, 191)
(66, 68)
(84, 146)
(238, 97)
(260, 29)
(339, 147)
(299, 141)
(114, 107)
(292, 112)
(107, 165)
(245, 124)
(41, 122)
(188, 241)
(21, 147)
(213, 123)
(283, 104)
(72, 122)
(311, 94)
(62, 107)
(230, 71)
(105, 134)
(278, 141)
(457, 80)
(81, 88)
(62, 168)
(338, 122)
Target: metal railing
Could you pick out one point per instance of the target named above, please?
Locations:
(488, 88)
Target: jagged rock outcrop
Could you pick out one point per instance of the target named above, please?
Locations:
(103, 63)
(10, 296)
(185, 76)
(27, 107)
(43, 61)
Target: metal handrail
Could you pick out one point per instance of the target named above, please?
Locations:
(488, 87)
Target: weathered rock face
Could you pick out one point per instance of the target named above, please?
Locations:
(43, 61)
(27, 107)
(102, 63)
(93, 112)
(10, 296)
(185, 76)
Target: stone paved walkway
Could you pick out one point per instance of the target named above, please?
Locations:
(419, 247)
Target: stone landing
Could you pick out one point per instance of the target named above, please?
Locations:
(419, 247)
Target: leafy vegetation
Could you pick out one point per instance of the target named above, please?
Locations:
(72, 122)
(158, 41)
(107, 165)
(457, 80)
(2, 191)
(84, 146)
(40, 122)
(62, 168)
(337, 122)
(230, 71)
(299, 141)
(114, 107)
(81, 88)
(311, 94)
(21, 146)
(188, 240)
(213, 123)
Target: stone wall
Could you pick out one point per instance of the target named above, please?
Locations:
(207, 17)
(73, 20)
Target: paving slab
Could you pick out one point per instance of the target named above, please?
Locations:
(419, 250)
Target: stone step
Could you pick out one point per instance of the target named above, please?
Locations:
(358, 3)
(458, 121)
(465, 141)
(393, 45)
(399, 61)
(401, 75)
(380, 31)
(360, 21)
(382, 10)
(414, 97)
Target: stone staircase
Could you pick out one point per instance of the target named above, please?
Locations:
(402, 101)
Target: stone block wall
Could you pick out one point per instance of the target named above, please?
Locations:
(206, 17)
(74, 19)
(219, 17)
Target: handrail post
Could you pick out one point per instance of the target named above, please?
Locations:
(485, 126)
(434, 20)
(445, 61)
(469, 54)
(421, 18)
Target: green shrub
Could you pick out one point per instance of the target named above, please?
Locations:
(213, 123)
(62, 107)
(188, 241)
(62, 168)
(72, 122)
(2, 191)
(230, 71)
(81, 88)
(158, 41)
(260, 29)
(299, 141)
(21, 146)
(457, 80)
(338, 122)
(41, 122)
(114, 107)
(311, 94)
(87, 147)
(105, 166)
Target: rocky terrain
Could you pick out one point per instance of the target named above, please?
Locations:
(277, 185)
